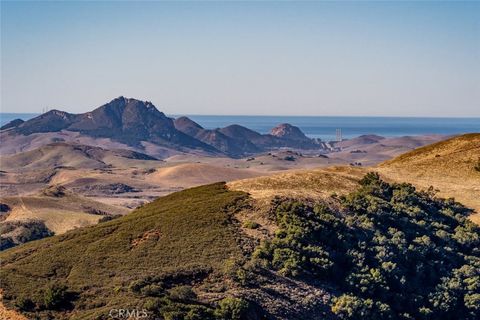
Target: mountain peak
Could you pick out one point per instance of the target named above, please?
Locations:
(126, 120)
(288, 131)
(56, 112)
(187, 126)
(122, 102)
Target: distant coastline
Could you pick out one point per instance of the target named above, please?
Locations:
(324, 127)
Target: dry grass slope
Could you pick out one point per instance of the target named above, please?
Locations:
(448, 166)
(60, 214)
(302, 183)
(194, 174)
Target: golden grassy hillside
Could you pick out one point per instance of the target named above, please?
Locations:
(455, 157)
(302, 183)
(449, 166)
(194, 174)
(59, 213)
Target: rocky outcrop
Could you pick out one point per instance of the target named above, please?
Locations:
(289, 132)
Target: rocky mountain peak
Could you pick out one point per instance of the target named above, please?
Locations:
(287, 131)
(122, 103)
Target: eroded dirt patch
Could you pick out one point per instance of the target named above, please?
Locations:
(150, 235)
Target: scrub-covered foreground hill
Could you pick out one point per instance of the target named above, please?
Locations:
(165, 246)
(384, 251)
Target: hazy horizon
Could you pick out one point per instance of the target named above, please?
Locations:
(276, 115)
(401, 59)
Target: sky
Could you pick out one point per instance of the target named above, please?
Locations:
(244, 58)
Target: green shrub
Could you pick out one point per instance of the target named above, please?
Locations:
(152, 290)
(286, 261)
(24, 304)
(472, 301)
(199, 313)
(244, 276)
(152, 304)
(347, 306)
(109, 217)
(371, 178)
(231, 308)
(352, 307)
(237, 270)
(182, 293)
(54, 296)
(136, 285)
(148, 286)
(251, 224)
(173, 315)
(181, 311)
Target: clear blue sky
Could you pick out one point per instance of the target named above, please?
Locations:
(276, 58)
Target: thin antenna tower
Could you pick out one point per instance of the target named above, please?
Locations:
(338, 133)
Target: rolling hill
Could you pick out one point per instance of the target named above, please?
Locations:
(72, 155)
(312, 183)
(371, 150)
(194, 174)
(448, 166)
(60, 211)
(183, 239)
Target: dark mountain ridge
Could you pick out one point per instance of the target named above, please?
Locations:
(231, 144)
(132, 122)
(126, 120)
(236, 140)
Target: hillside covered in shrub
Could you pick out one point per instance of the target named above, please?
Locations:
(388, 251)
(385, 251)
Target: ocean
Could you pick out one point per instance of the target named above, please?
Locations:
(325, 127)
